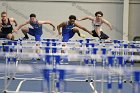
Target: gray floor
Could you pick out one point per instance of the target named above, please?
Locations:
(74, 83)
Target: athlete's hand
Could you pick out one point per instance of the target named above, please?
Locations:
(14, 30)
(78, 19)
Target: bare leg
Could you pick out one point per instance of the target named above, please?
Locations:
(10, 36)
(77, 31)
(104, 36)
(97, 30)
(25, 30)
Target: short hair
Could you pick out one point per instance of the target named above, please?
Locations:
(3, 13)
(72, 17)
(32, 15)
(99, 12)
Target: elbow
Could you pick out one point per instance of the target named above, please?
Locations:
(16, 24)
(49, 22)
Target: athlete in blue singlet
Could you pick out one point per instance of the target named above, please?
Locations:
(36, 29)
(67, 32)
(69, 29)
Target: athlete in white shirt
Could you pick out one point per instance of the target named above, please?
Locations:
(97, 24)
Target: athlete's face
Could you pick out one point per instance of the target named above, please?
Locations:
(33, 19)
(71, 21)
(99, 16)
(4, 16)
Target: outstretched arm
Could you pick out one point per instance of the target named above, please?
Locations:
(85, 18)
(47, 22)
(83, 28)
(60, 26)
(27, 22)
(107, 23)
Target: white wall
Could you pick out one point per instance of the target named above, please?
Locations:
(58, 12)
(134, 20)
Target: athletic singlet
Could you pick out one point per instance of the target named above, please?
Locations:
(37, 27)
(67, 28)
(6, 27)
(96, 24)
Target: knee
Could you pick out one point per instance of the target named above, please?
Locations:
(10, 36)
(13, 37)
(24, 30)
(75, 30)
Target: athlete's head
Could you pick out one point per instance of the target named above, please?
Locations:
(4, 15)
(72, 19)
(98, 14)
(33, 18)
